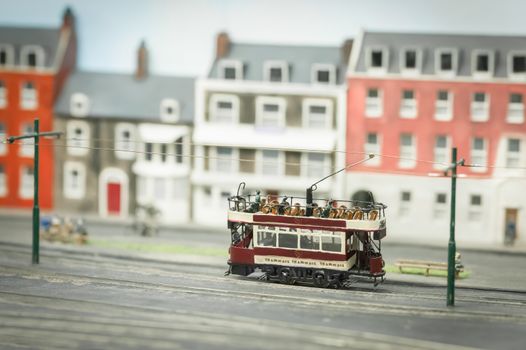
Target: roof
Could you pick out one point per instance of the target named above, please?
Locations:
(465, 44)
(47, 38)
(122, 96)
(300, 60)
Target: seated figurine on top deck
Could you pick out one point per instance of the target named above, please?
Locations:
(254, 206)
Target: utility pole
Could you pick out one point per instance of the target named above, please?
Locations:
(452, 245)
(36, 210)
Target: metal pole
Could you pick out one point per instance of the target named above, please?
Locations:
(36, 209)
(452, 246)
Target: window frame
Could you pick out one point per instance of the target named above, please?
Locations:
(269, 65)
(491, 63)
(305, 170)
(25, 102)
(408, 107)
(515, 108)
(121, 144)
(236, 64)
(408, 161)
(281, 102)
(234, 168)
(513, 158)
(83, 99)
(3, 95)
(441, 152)
(447, 105)
(511, 74)
(476, 153)
(214, 109)
(25, 190)
(307, 103)
(260, 160)
(418, 63)
(68, 190)
(316, 67)
(39, 52)
(78, 147)
(10, 55)
(480, 106)
(172, 103)
(385, 59)
(373, 105)
(454, 61)
(3, 180)
(378, 147)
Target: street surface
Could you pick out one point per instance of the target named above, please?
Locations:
(86, 297)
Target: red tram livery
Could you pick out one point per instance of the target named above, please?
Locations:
(306, 243)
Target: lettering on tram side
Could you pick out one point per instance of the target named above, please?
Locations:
(300, 262)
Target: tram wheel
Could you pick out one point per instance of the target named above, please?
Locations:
(285, 276)
(320, 280)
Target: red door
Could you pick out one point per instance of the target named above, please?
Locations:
(114, 198)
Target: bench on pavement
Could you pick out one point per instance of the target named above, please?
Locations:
(427, 265)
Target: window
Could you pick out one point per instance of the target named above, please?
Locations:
(377, 59)
(7, 55)
(74, 180)
(475, 208)
(331, 243)
(3, 94)
(230, 70)
(480, 107)
(441, 151)
(148, 151)
(26, 183)
(170, 111)
(276, 71)
(164, 151)
(3, 146)
(513, 153)
(310, 242)
(443, 106)
(27, 146)
(270, 111)
(224, 108)
(125, 141)
(316, 165)
(482, 63)
(479, 153)
(446, 61)
(440, 207)
(373, 103)
(405, 203)
(410, 61)
(78, 135)
(517, 64)
(408, 104)
(179, 149)
(407, 151)
(323, 74)
(3, 181)
(317, 113)
(288, 240)
(28, 96)
(266, 238)
(79, 105)
(32, 56)
(515, 109)
(372, 146)
(224, 161)
(270, 162)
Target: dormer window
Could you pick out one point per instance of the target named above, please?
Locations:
(323, 74)
(28, 96)
(32, 56)
(377, 58)
(482, 63)
(517, 65)
(410, 60)
(7, 55)
(169, 110)
(276, 71)
(446, 61)
(230, 70)
(79, 105)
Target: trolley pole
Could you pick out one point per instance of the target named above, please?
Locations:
(36, 210)
(452, 245)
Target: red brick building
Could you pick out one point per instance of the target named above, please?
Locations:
(34, 62)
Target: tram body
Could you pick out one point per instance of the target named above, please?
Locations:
(324, 251)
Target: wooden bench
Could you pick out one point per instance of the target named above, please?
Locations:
(427, 265)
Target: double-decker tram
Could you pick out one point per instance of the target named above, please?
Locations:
(322, 242)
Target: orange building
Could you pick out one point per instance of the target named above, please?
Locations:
(34, 62)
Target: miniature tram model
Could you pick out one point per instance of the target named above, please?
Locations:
(288, 242)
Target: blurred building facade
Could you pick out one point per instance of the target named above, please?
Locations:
(271, 116)
(414, 96)
(127, 143)
(34, 64)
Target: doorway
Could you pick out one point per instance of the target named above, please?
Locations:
(510, 226)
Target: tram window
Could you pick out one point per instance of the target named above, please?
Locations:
(310, 242)
(266, 239)
(331, 243)
(287, 240)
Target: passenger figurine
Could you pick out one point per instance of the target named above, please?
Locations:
(327, 210)
(284, 204)
(254, 206)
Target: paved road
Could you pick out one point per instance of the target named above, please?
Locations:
(81, 301)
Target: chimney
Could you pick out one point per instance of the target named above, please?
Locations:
(68, 19)
(346, 50)
(222, 45)
(142, 62)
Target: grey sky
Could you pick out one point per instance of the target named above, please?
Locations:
(180, 34)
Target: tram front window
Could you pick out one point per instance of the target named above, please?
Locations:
(331, 243)
(266, 239)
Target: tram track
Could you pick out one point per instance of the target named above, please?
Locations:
(155, 327)
(337, 305)
(173, 270)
